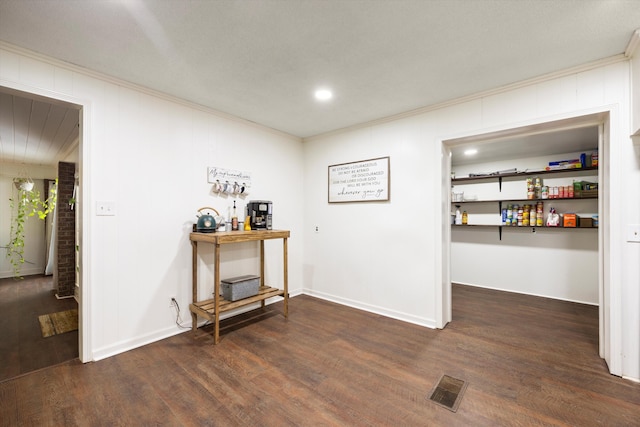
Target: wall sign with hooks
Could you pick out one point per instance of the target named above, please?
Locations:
(227, 181)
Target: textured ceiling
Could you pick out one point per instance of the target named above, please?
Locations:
(262, 60)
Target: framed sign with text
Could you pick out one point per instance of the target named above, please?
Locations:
(363, 181)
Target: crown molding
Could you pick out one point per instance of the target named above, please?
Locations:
(634, 42)
(138, 88)
(502, 89)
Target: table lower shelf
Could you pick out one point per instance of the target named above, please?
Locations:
(206, 308)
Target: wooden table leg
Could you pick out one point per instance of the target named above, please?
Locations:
(286, 278)
(194, 283)
(216, 295)
(262, 268)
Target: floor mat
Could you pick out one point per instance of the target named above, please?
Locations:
(448, 392)
(58, 323)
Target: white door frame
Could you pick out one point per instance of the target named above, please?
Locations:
(610, 337)
(84, 110)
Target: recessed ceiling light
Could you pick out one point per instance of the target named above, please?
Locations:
(470, 152)
(323, 94)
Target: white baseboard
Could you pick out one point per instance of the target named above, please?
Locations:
(123, 346)
(524, 293)
(421, 321)
(24, 271)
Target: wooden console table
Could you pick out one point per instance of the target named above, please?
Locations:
(210, 309)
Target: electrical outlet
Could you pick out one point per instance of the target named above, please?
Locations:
(317, 229)
(633, 233)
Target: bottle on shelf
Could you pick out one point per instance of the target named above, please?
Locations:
(234, 218)
(526, 215)
(465, 218)
(530, 189)
(539, 214)
(515, 209)
(458, 220)
(520, 216)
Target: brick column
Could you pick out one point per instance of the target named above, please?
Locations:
(66, 231)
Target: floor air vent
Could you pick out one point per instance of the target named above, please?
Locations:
(448, 392)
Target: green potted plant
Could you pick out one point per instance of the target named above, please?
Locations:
(26, 204)
(23, 184)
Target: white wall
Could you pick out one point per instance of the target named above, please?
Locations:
(149, 154)
(554, 263)
(635, 83)
(384, 257)
(375, 255)
(34, 250)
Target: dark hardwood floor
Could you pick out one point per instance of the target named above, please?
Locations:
(528, 361)
(22, 347)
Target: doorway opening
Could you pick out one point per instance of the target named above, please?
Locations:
(507, 254)
(40, 132)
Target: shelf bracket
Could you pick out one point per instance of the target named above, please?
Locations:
(500, 183)
(500, 212)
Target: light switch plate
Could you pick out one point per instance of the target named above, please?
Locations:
(633, 233)
(105, 208)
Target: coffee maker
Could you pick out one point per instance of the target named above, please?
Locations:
(260, 214)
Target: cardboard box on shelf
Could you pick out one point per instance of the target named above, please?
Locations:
(588, 193)
(585, 222)
(569, 220)
(586, 185)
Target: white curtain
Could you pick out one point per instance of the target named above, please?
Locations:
(51, 241)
